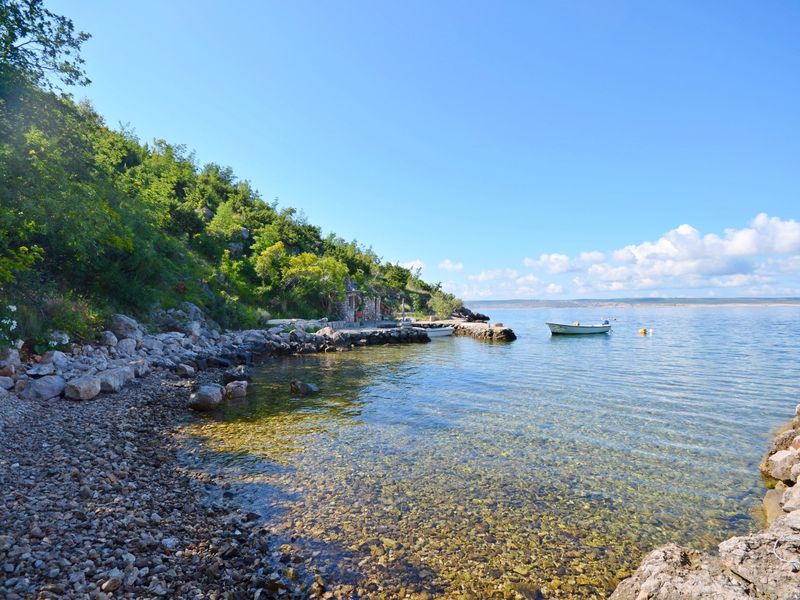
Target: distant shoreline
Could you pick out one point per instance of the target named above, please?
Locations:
(632, 302)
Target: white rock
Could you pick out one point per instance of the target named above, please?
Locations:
(791, 498)
(779, 465)
(207, 397)
(113, 380)
(44, 388)
(126, 346)
(6, 383)
(3, 393)
(83, 388)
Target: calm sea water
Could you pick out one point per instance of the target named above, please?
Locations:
(548, 466)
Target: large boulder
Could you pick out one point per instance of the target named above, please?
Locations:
(83, 388)
(779, 465)
(113, 380)
(769, 560)
(672, 573)
(791, 498)
(124, 327)
(207, 397)
(44, 388)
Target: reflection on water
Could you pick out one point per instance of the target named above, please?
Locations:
(545, 466)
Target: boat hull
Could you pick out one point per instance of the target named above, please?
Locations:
(561, 329)
(435, 332)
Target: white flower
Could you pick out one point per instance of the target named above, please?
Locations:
(12, 308)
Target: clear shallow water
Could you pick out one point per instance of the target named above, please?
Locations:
(466, 469)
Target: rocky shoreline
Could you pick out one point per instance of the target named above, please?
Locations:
(95, 503)
(759, 565)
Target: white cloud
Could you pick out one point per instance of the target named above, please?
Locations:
(561, 263)
(554, 288)
(528, 279)
(747, 259)
(554, 263)
(493, 275)
(449, 265)
(413, 265)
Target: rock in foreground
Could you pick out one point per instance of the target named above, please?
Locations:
(207, 397)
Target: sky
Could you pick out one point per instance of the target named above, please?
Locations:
(511, 150)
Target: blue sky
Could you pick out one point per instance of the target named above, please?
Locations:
(516, 149)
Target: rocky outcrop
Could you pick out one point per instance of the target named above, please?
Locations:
(480, 331)
(469, 316)
(760, 565)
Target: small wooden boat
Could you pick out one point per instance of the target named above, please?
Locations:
(577, 329)
(435, 332)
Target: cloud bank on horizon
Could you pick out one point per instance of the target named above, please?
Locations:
(761, 259)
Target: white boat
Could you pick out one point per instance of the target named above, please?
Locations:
(577, 329)
(435, 332)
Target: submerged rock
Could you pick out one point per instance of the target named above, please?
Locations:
(236, 389)
(303, 389)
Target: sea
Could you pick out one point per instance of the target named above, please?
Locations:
(547, 467)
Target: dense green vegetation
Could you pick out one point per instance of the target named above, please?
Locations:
(94, 220)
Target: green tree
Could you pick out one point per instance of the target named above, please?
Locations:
(315, 282)
(443, 304)
(39, 45)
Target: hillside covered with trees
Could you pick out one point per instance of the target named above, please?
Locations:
(94, 220)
